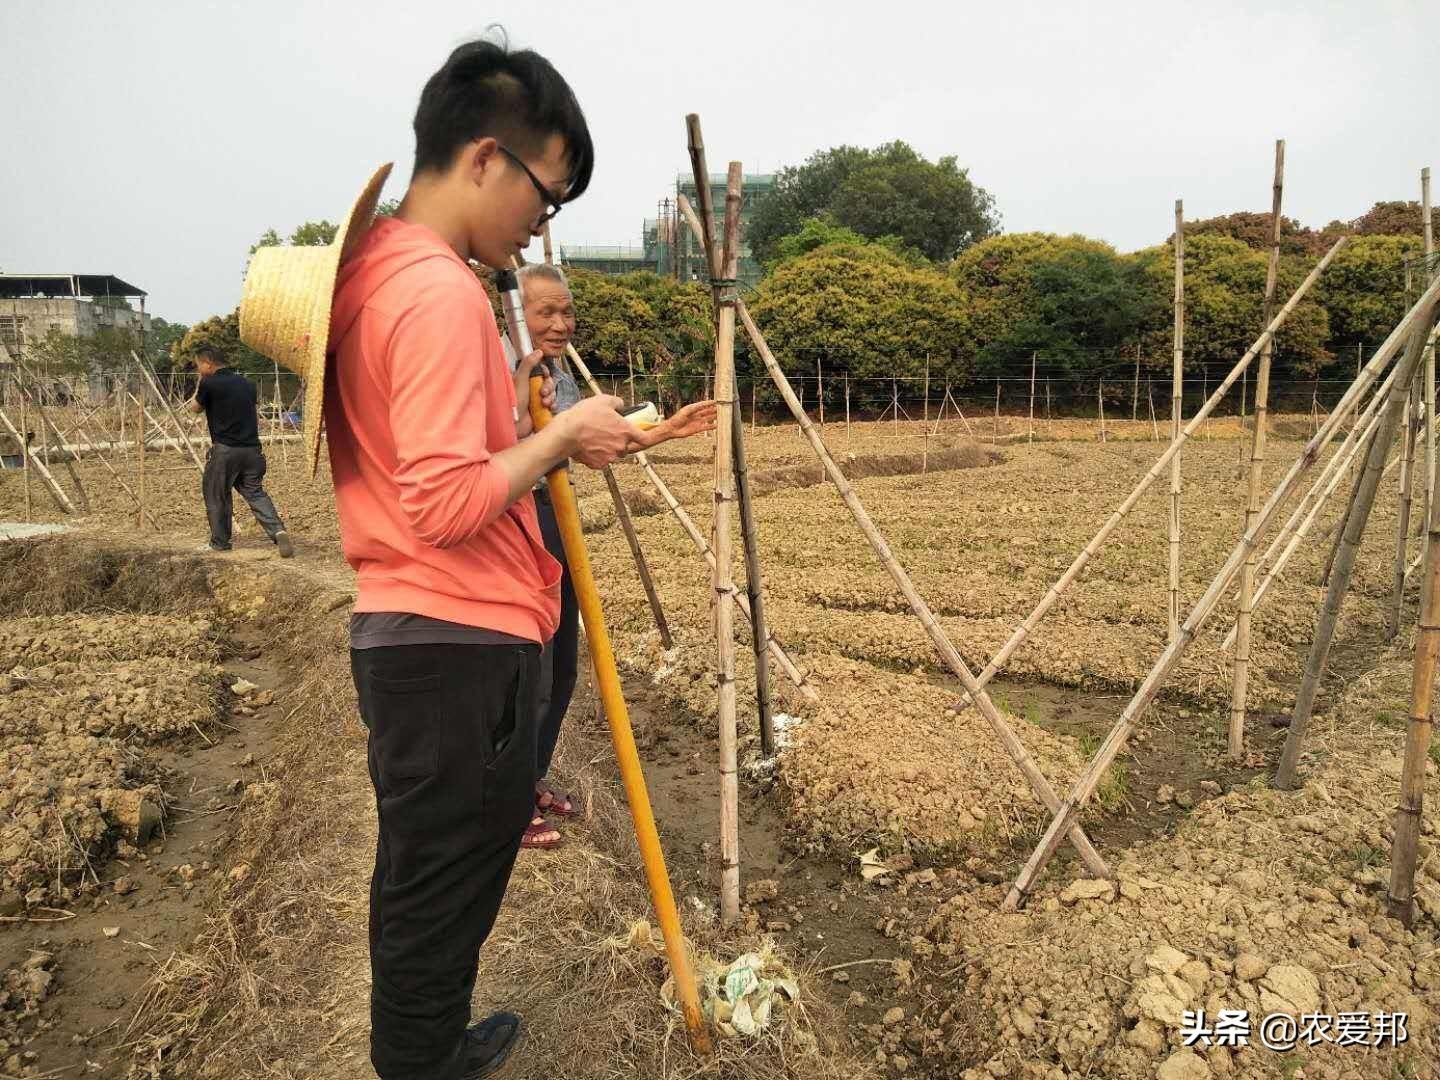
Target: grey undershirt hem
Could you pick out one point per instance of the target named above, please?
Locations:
(378, 629)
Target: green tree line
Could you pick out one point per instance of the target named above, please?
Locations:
(880, 263)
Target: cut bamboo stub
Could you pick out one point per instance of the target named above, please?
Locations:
(1356, 519)
(607, 678)
(1168, 457)
(1115, 741)
(1241, 678)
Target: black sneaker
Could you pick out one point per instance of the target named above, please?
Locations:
(283, 542)
(488, 1044)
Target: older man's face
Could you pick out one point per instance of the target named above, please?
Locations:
(549, 315)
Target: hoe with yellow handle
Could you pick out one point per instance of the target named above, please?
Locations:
(607, 678)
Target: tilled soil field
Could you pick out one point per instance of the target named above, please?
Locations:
(1229, 895)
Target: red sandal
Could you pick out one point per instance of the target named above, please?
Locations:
(559, 805)
(535, 830)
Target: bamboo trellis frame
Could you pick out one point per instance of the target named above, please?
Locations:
(1120, 733)
(1356, 519)
(1241, 677)
(1168, 457)
(1295, 530)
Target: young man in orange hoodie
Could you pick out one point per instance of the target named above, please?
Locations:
(456, 592)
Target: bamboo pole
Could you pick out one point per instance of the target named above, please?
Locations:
(1176, 390)
(46, 476)
(995, 430)
(1154, 424)
(820, 391)
(749, 529)
(1339, 583)
(567, 516)
(1400, 898)
(47, 429)
(1100, 399)
(140, 434)
(23, 445)
(1241, 675)
(1402, 518)
(165, 401)
(847, 409)
(627, 526)
(1030, 426)
(1115, 741)
(1429, 234)
(894, 399)
(1008, 739)
(1167, 458)
(1135, 389)
(720, 541)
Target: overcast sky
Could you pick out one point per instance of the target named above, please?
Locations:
(157, 140)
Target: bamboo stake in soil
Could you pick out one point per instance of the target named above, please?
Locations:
(1100, 399)
(1154, 425)
(1240, 682)
(995, 431)
(1429, 234)
(23, 445)
(140, 434)
(847, 410)
(1176, 390)
(820, 391)
(1402, 519)
(627, 526)
(1030, 427)
(1400, 901)
(720, 541)
(1115, 741)
(1167, 458)
(749, 529)
(1356, 519)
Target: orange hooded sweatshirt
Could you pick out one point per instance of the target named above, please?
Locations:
(420, 398)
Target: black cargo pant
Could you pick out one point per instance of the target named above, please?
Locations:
(559, 664)
(236, 468)
(452, 759)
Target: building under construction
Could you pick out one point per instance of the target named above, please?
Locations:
(666, 246)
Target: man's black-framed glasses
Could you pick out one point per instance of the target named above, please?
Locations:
(547, 199)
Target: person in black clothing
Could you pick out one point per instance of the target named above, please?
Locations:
(235, 462)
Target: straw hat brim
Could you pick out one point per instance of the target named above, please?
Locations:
(285, 306)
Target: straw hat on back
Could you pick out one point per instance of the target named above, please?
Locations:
(285, 308)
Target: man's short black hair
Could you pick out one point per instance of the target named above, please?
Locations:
(212, 353)
(484, 89)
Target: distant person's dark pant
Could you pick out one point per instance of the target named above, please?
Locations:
(559, 664)
(236, 468)
(452, 759)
